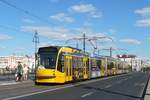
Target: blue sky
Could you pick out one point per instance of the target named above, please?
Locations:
(126, 21)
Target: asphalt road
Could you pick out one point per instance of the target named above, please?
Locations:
(123, 87)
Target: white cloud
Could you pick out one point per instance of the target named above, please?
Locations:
(144, 11)
(62, 34)
(62, 17)
(28, 21)
(96, 14)
(5, 37)
(49, 32)
(45, 44)
(143, 23)
(83, 8)
(86, 8)
(146, 21)
(131, 41)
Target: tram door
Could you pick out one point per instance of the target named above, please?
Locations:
(85, 68)
(68, 68)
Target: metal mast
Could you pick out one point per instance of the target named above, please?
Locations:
(84, 42)
(35, 41)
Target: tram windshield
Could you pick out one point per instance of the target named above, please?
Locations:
(48, 56)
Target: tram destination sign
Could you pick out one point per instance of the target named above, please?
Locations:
(126, 56)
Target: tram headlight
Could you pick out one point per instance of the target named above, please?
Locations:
(41, 67)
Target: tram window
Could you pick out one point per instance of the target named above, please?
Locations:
(74, 62)
(98, 64)
(112, 65)
(119, 66)
(108, 65)
(91, 63)
(87, 63)
(60, 66)
(48, 57)
(48, 60)
(78, 63)
(81, 65)
(87, 66)
(70, 66)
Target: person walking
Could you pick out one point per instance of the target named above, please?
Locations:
(19, 72)
(25, 72)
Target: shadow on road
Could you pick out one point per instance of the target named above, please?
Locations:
(112, 92)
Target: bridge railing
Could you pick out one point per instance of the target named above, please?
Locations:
(9, 74)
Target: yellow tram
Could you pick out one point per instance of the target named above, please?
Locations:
(58, 64)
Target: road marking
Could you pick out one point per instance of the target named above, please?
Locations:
(126, 79)
(139, 84)
(10, 83)
(108, 86)
(67, 86)
(40, 92)
(87, 94)
(25, 95)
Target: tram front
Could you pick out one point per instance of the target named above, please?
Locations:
(47, 60)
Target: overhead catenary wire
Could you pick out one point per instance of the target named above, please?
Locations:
(25, 11)
(111, 49)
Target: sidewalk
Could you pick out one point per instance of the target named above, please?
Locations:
(12, 82)
(7, 83)
(147, 94)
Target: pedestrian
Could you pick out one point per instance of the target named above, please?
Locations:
(19, 72)
(25, 72)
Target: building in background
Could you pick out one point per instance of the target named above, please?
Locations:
(136, 63)
(12, 61)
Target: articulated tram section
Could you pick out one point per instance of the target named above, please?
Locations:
(58, 64)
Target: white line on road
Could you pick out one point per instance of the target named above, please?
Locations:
(126, 79)
(139, 84)
(87, 94)
(38, 92)
(108, 86)
(12, 82)
(8, 83)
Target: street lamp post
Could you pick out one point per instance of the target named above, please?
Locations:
(84, 42)
(35, 41)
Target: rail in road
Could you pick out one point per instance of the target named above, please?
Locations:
(123, 87)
